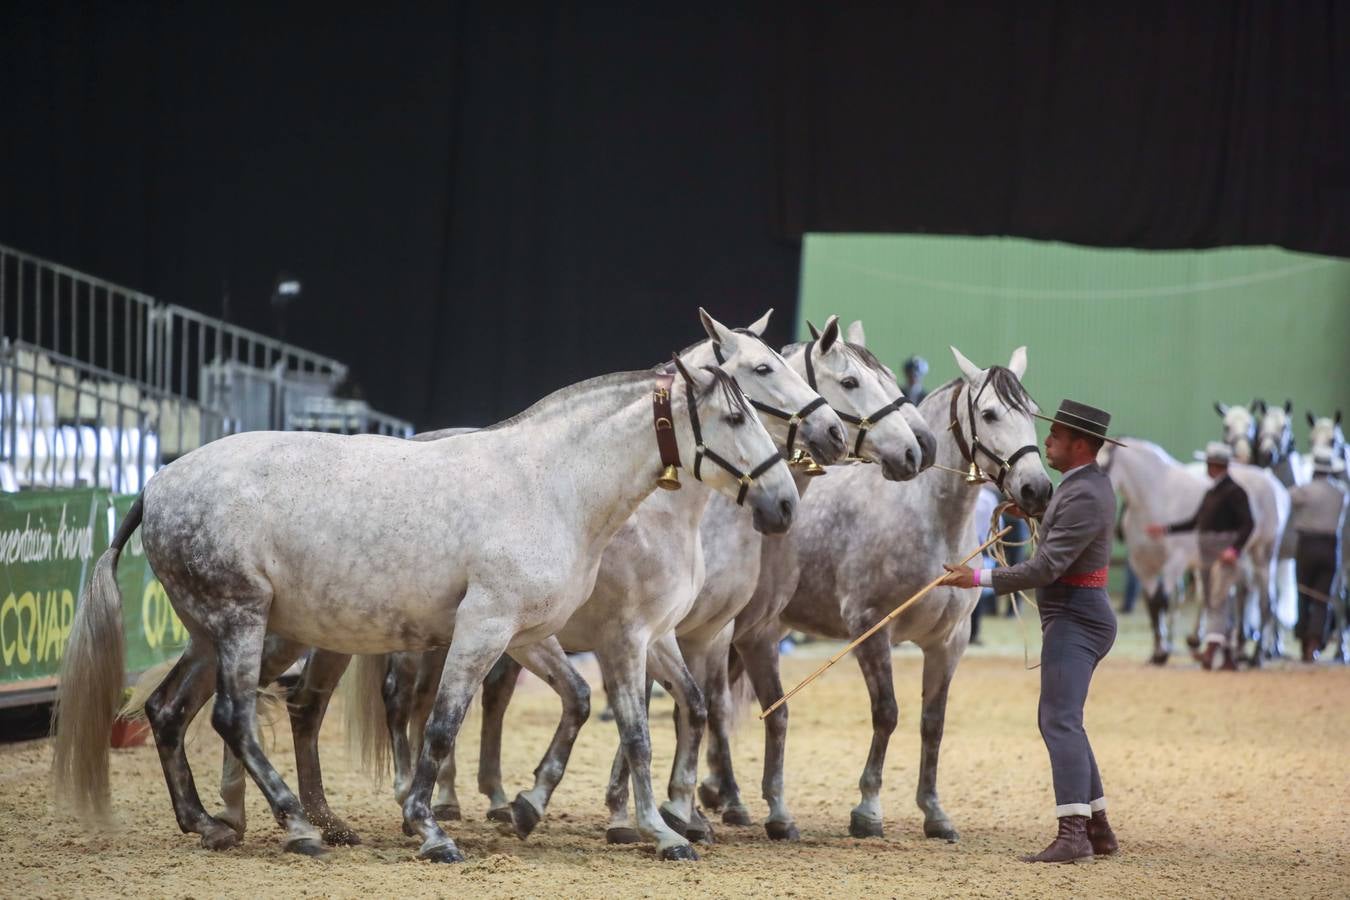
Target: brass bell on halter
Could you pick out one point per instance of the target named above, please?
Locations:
(670, 479)
(804, 461)
(974, 476)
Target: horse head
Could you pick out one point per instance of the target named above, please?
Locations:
(854, 383)
(788, 407)
(857, 339)
(1274, 435)
(994, 418)
(734, 455)
(1239, 429)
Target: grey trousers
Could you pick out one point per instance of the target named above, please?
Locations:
(1223, 610)
(1078, 627)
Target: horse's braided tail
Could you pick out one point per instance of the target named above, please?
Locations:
(90, 687)
(364, 714)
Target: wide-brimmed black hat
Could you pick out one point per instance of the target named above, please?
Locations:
(1080, 417)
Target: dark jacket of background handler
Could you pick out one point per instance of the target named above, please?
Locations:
(1224, 509)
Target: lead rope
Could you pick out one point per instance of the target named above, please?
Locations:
(999, 551)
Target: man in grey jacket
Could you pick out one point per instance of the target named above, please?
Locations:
(1078, 626)
(1318, 515)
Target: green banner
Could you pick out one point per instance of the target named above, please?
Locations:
(49, 542)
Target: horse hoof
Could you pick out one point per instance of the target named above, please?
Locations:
(859, 826)
(500, 814)
(306, 847)
(446, 812)
(1159, 659)
(1193, 641)
(524, 817)
(782, 831)
(943, 830)
(736, 815)
(622, 835)
(674, 822)
(709, 797)
(679, 852)
(445, 852)
(220, 837)
(341, 836)
(700, 829)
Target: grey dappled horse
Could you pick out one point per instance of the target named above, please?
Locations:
(365, 544)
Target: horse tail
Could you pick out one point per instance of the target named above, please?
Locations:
(364, 714)
(742, 691)
(90, 685)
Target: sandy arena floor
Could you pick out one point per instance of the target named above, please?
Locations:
(1220, 784)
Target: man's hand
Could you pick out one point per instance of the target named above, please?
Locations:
(1156, 531)
(1015, 511)
(959, 576)
(1229, 555)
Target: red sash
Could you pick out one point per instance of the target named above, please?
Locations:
(1095, 579)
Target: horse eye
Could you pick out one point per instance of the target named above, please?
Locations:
(849, 383)
(736, 419)
(762, 369)
(989, 415)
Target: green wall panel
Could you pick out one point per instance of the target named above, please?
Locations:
(1154, 336)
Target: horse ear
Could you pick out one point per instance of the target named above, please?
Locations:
(815, 332)
(971, 371)
(698, 378)
(1312, 420)
(1221, 409)
(760, 325)
(829, 334)
(1288, 407)
(856, 335)
(1337, 420)
(1017, 364)
(1259, 406)
(716, 330)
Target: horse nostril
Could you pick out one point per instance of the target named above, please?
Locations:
(785, 507)
(836, 435)
(909, 457)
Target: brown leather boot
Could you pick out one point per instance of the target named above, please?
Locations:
(1206, 657)
(1101, 836)
(1070, 845)
(1230, 661)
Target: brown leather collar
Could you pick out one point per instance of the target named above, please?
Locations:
(663, 420)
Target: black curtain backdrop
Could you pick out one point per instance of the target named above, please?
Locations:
(487, 201)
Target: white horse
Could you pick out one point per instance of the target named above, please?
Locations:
(1275, 446)
(1161, 490)
(647, 585)
(370, 545)
(865, 545)
(1239, 429)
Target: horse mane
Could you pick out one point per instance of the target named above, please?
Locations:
(857, 351)
(1007, 387)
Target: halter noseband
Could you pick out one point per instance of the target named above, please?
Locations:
(793, 419)
(669, 448)
(864, 423)
(968, 450)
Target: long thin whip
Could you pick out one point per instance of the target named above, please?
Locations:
(877, 627)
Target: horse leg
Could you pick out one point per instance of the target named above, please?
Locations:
(719, 790)
(547, 660)
(874, 659)
(759, 654)
(278, 656)
(1158, 618)
(170, 708)
(498, 688)
(667, 665)
(939, 665)
(239, 649)
(422, 678)
(480, 638)
(307, 707)
(400, 675)
(625, 677)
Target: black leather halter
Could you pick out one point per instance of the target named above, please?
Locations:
(968, 450)
(793, 419)
(701, 451)
(864, 423)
